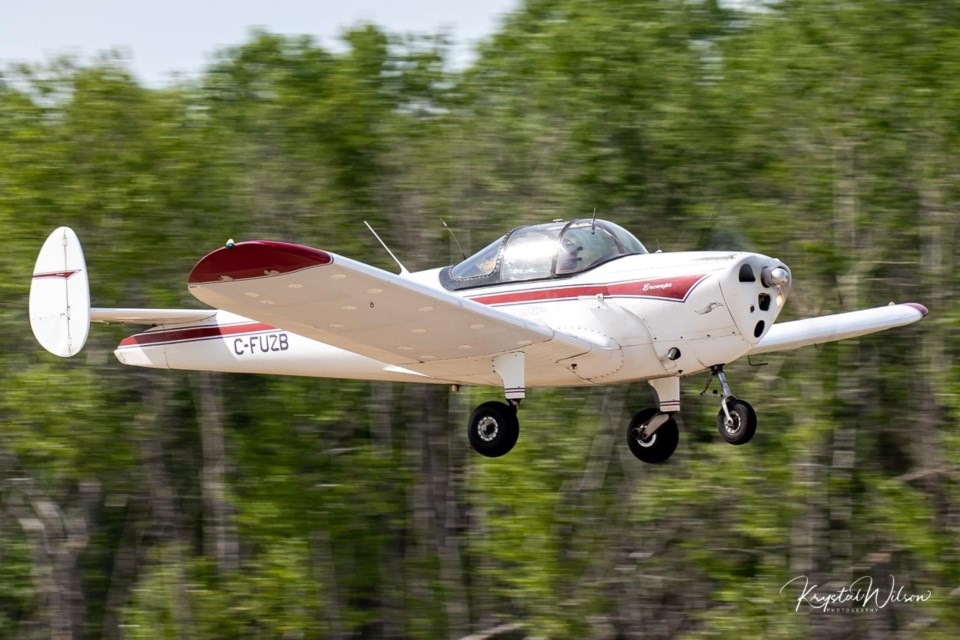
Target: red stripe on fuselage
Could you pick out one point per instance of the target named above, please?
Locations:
(672, 289)
(190, 334)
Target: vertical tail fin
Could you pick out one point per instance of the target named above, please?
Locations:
(60, 295)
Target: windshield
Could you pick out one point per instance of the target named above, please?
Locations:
(543, 251)
(481, 263)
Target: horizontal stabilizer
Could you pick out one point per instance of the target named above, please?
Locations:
(150, 316)
(803, 333)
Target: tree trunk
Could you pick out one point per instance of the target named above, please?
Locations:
(165, 523)
(126, 562)
(57, 536)
(220, 540)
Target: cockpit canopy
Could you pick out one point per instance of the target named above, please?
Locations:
(551, 250)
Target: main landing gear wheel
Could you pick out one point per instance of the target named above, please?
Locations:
(742, 423)
(656, 447)
(493, 429)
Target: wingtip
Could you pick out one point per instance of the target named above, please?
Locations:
(919, 307)
(255, 259)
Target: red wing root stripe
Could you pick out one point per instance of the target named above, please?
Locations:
(192, 334)
(256, 259)
(66, 275)
(671, 289)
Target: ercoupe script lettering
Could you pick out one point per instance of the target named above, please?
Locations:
(261, 343)
(657, 286)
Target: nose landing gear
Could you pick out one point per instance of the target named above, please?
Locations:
(736, 421)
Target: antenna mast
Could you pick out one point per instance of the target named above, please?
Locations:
(403, 269)
(462, 253)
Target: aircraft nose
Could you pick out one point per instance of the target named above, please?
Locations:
(755, 291)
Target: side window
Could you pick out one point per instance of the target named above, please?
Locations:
(529, 254)
(599, 246)
(584, 247)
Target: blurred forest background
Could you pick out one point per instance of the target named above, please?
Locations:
(144, 504)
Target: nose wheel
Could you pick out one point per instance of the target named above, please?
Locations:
(736, 421)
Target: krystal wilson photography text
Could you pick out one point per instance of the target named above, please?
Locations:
(860, 596)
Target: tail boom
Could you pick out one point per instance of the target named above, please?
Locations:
(230, 343)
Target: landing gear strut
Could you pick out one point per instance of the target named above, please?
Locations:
(736, 421)
(493, 427)
(652, 434)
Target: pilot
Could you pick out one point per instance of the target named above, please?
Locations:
(568, 261)
(488, 265)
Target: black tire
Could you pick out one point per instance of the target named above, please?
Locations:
(493, 429)
(658, 447)
(744, 422)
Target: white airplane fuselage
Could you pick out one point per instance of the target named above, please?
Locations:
(645, 316)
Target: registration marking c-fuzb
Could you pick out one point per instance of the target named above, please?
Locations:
(245, 338)
(261, 343)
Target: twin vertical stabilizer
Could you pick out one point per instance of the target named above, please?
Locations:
(60, 295)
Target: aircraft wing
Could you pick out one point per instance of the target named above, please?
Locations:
(802, 333)
(363, 309)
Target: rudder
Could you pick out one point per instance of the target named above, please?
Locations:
(60, 295)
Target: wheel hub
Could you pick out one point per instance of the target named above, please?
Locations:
(487, 429)
(732, 424)
(643, 439)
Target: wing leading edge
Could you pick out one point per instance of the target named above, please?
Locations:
(802, 333)
(353, 306)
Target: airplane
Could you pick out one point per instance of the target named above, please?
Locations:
(568, 303)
